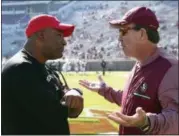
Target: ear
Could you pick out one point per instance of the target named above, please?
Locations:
(40, 35)
(143, 35)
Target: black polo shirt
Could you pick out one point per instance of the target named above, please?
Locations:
(31, 95)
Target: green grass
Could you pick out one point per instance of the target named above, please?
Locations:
(92, 99)
(84, 119)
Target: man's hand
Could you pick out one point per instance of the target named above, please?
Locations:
(137, 120)
(74, 101)
(93, 86)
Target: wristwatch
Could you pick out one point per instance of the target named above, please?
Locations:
(146, 125)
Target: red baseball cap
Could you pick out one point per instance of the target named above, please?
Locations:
(43, 21)
(138, 15)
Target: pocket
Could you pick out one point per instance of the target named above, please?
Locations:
(141, 96)
(141, 99)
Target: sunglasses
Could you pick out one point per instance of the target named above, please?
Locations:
(124, 31)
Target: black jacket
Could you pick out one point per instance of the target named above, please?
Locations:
(30, 99)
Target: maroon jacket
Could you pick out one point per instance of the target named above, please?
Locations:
(152, 81)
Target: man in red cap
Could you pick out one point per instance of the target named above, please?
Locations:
(34, 100)
(149, 100)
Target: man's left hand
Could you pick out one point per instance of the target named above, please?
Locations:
(137, 120)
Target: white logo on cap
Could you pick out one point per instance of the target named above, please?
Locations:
(152, 26)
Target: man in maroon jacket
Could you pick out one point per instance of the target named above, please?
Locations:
(149, 101)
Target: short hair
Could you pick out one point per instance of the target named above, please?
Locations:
(153, 35)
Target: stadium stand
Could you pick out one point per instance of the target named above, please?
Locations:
(93, 39)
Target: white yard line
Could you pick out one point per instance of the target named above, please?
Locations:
(88, 113)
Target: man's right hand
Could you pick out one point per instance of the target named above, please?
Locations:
(93, 86)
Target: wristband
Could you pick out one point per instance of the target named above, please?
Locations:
(78, 90)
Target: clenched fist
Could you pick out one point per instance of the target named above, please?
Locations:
(74, 100)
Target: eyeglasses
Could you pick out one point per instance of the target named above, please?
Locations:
(124, 31)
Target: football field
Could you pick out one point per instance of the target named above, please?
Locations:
(93, 119)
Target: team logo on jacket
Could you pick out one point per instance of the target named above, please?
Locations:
(49, 77)
(143, 87)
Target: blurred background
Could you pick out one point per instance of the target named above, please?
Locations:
(93, 39)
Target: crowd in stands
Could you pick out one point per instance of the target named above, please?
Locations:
(94, 39)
